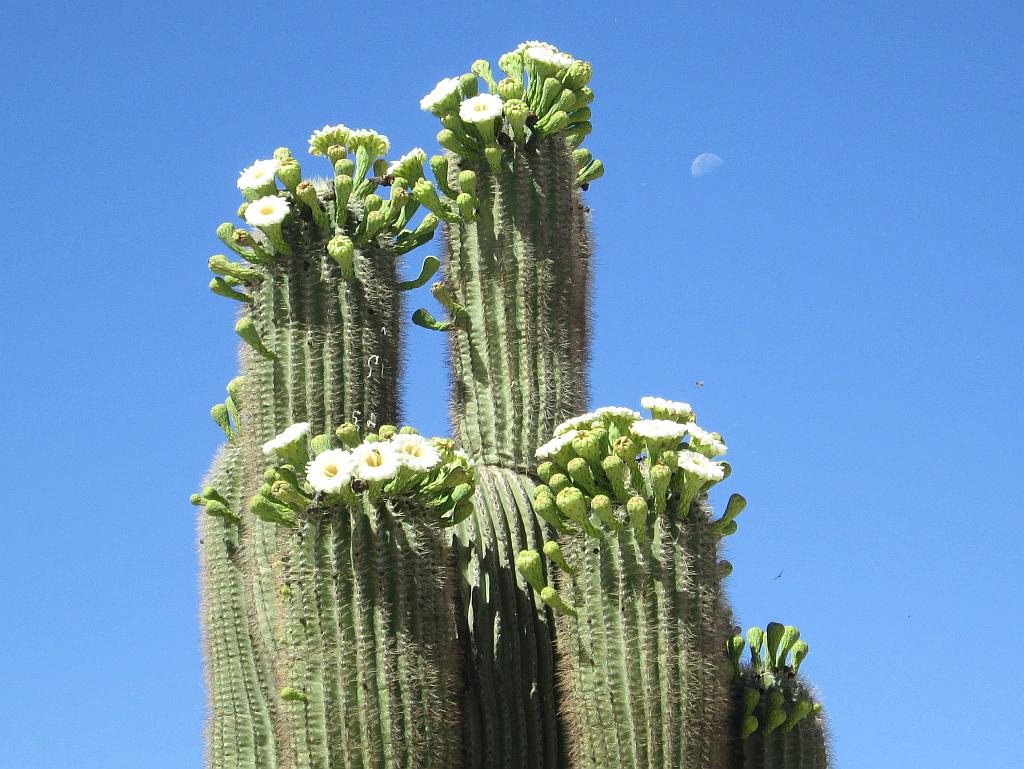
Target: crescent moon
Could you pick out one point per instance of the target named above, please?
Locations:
(705, 163)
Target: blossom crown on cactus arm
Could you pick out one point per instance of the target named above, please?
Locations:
(313, 473)
(544, 94)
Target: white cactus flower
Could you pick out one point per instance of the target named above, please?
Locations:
(266, 211)
(574, 423)
(416, 452)
(556, 444)
(286, 438)
(707, 440)
(482, 108)
(667, 407)
(658, 429)
(331, 471)
(324, 137)
(617, 411)
(700, 467)
(414, 158)
(259, 174)
(553, 58)
(375, 461)
(536, 44)
(441, 91)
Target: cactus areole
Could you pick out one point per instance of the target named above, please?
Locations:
(544, 589)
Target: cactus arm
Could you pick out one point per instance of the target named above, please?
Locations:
(240, 725)
(521, 270)
(797, 738)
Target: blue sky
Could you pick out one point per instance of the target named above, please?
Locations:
(847, 286)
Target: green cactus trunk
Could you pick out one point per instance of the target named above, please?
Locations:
(645, 678)
(522, 273)
(327, 352)
(369, 646)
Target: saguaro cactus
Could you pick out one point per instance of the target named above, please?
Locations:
(548, 595)
(517, 279)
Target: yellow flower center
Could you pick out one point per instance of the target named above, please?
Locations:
(413, 450)
(267, 210)
(330, 470)
(375, 459)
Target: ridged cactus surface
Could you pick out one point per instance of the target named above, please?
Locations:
(517, 282)
(544, 590)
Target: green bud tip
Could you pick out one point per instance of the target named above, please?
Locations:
(545, 470)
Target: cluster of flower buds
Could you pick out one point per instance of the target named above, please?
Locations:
(317, 472)
(611, 469)
(347, 213)
(544, 92)
(770, 696)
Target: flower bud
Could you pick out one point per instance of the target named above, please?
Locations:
(517, 112)
(219, 412)
(553, 551)
(336, 153)
(482, 69)
(466, 204)
(545, 470)
(616, 472)
(751, 699)
(755, 640)
(319, 444)
(593, 171)
(661, 477)
(510, 88)
(528, 563)
(290, 173)
(749, 726)
(342, 250)
(776, 718)
(439, 166)
(577, 74)
(774, 635)
(246, 329)
(581, 475)
(348, 435)
(789, 638)
(467, 182)
(544, 506)
(550, 597)
(800, 710)
(221, 265)
(601, 507)
(800, 650)
(558, 481)
(493, 155)
(425, 193)
(305, 192)
(220, 510)
(638, 510)
(581, 157)
(221, 287)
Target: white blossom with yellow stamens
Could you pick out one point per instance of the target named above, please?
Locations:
(331, 471)
(375, 461)
(482, 108)
(266, 211)
(260, 174)
(416, 452)
(658, 429)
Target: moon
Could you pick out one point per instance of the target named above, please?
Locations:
(705, 163)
